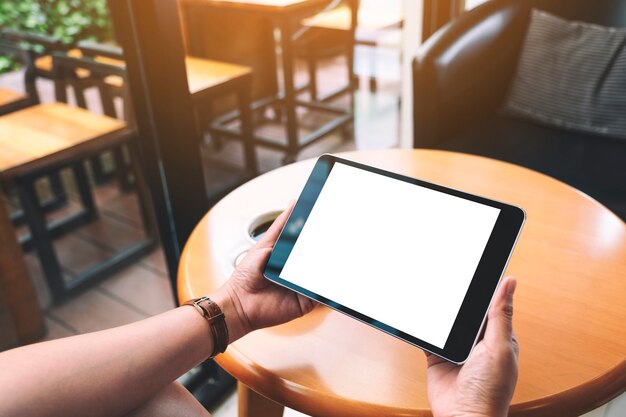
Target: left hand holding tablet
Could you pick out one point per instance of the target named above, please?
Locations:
(259, 302)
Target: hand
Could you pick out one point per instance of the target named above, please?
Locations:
(259, 302)
(484, 385)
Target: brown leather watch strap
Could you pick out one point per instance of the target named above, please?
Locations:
(217, 324)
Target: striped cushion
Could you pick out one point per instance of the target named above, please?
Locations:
(571, 75)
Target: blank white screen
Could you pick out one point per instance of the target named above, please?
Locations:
(399, 253)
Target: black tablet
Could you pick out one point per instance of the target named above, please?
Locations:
(416, 260)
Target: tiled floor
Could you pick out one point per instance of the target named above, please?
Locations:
(113, 302)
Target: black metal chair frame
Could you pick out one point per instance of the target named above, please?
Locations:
(25, 55)
(42, 234)
(240, 86)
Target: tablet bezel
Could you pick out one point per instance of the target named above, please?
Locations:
(471, 316)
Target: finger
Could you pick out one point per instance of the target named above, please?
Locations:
(432, 360)
(269, 238)
(255, 260)
(500, 323)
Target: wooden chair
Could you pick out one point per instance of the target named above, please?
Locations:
(207, 79)
(328, 34)
(42, 47)
(377, 28)
(15, 101)
(48, 137)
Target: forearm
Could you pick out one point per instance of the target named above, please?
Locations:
(107, 373)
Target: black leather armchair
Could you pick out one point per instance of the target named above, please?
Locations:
(461, 78)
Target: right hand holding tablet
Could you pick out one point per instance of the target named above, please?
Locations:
(484, 385)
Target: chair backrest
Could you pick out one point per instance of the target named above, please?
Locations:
(95, 50)
(40, 43)
(112, 55)
(26, 56)
(65, 68)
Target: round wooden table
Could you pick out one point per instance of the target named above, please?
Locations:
(570, 305)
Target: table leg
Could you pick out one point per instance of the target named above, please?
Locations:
(21, 320)
(252, 404)
(286, 31)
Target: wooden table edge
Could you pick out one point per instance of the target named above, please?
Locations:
(601, 390)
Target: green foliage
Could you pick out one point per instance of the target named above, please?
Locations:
(69, 20)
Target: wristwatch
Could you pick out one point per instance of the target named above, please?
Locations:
(213, 314)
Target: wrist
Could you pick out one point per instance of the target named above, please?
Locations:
(233, 313)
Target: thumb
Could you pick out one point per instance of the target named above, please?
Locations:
(500, 319)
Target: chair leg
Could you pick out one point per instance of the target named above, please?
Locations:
(312, 67)
(373, 84)
(84, 189)
(347, 133)
(97, 170)
(247, 129)
(41, 238)
(121, 170)
(56, 188)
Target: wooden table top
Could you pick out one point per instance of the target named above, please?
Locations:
(570, 315)
(39, 134)
(8, 97)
